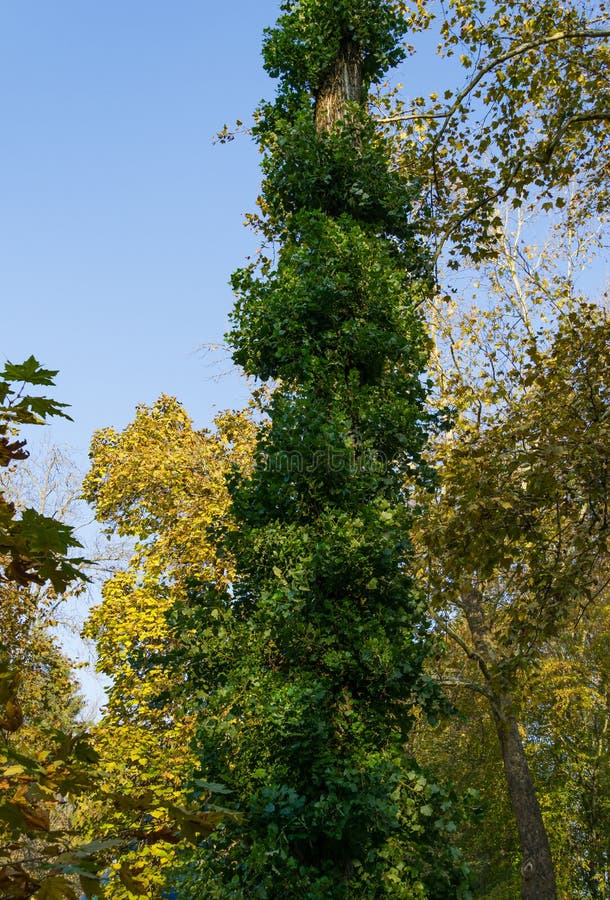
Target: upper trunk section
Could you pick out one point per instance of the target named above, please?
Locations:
(342, 84)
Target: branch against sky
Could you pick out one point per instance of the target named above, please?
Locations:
(530, 118)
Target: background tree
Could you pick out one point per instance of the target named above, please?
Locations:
(33, 547)
(566, 713)
(44, 762)
(464, 747)
(529, 126)
(161, 484)
(562, 708)
(530, 119)
(517, 537)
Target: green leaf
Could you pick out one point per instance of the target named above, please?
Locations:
(29, 371)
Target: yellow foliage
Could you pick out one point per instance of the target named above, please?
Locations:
(162, 483)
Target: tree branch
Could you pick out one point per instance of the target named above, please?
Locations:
(525, 47)
(410, 117)
(475, 207)
(470, 652)
(454, 681)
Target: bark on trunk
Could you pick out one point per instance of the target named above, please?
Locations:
(537, 871)
(342, 84)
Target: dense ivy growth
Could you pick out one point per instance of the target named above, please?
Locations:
(310, 669)
(308, 36)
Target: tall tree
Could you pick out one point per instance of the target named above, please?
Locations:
(517, 540)
(312, 665)
(529, 125)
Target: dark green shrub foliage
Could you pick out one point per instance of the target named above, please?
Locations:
(311, 671)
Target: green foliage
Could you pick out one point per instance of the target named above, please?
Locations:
(45, 763)
(302, 46)
(33, 547)
(464, 747)
(310, 668)
(287, 323)
(331, 171)
(567, 713)
(20, 408)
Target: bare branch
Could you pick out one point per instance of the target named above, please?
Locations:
(411, 117)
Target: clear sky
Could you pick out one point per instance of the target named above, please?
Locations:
(120, 221)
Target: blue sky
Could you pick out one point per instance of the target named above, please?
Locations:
(120, 221)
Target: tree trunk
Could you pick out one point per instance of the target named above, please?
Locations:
(537, 871)
(342, 84)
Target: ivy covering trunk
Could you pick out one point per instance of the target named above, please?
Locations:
(310, 671)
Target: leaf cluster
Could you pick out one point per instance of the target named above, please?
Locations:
(342, 171)
(529, 121)
(338, 294)
(301, 47)
(526, 499)
(33, 547)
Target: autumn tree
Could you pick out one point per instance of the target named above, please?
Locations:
(160, 484)
(45, 759)
(566, 715)
(529, 125)
(311, 666)
(562, 705)
(516, 541)
(528, 121)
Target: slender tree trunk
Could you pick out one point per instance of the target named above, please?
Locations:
(342, 84)
(537, 871)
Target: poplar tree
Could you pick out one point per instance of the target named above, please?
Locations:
(310, 668)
